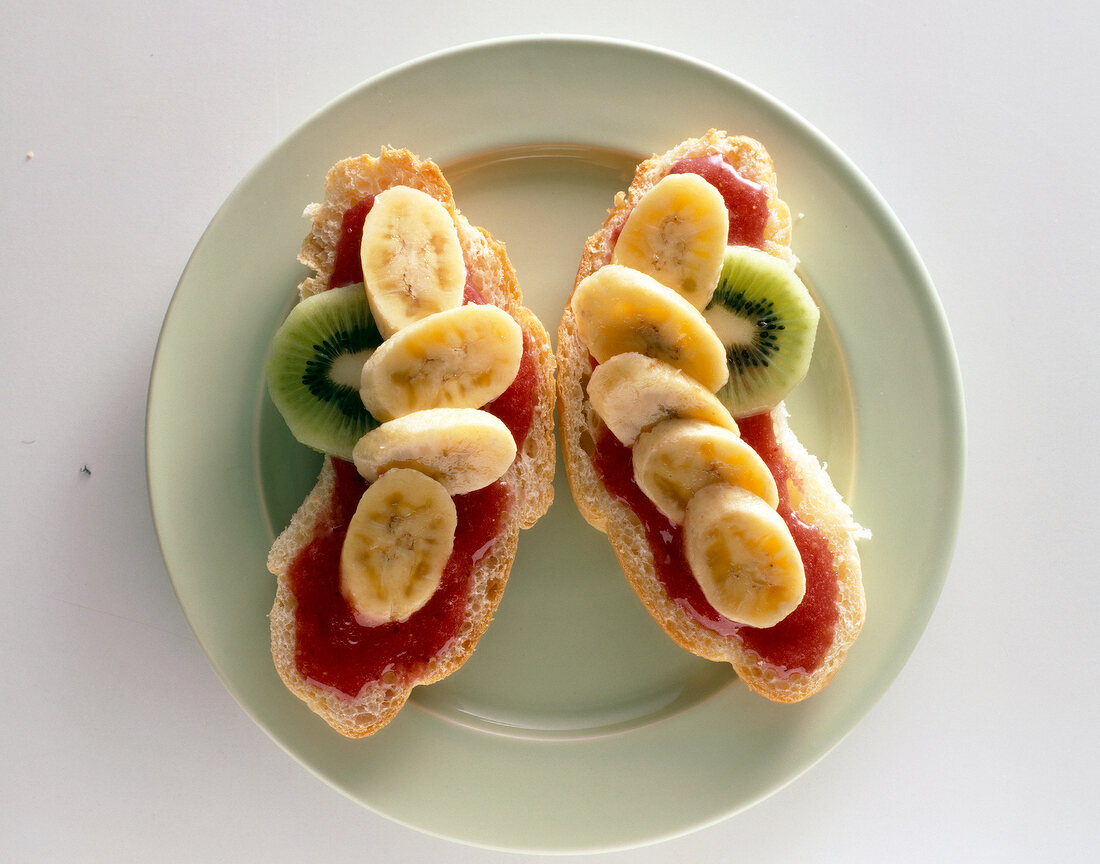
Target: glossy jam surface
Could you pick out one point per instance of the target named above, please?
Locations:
(801, 640)
(333, 649)
(347, 266)
(516, 405)
(612, 461)
(746, 200)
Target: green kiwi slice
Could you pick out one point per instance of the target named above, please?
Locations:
(767, 321)
(313, 371)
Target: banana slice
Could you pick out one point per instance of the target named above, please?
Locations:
(677, 233)
(743, 556)
(412, 259)
(632, 392)
(458, 358)
(677, 458)
(621, 310)
(397, 546)
(463, 448)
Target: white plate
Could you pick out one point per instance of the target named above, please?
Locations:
(577, 725)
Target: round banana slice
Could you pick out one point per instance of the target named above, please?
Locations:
(458, 358)
(743, 556)
(397, 546)
(621, 310)
(677, 458)
(677, 233)
(463, 448)
(412, 258)
(633, 392)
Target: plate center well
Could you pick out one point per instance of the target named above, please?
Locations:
(571, 651)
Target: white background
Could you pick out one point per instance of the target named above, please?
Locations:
(978, 124)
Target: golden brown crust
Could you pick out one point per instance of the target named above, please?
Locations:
(579, 426)
(530, 479)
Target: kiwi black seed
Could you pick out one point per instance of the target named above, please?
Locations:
(767, 322)
(313, 372)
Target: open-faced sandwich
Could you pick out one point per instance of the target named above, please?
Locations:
(686, 329)
(412, 365)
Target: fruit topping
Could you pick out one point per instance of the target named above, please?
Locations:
(412, 258)
(677, 233)
(677, 458)
(767, 323)
(621, 310)
(397, 546)
(463, 448)
(742, 555)
(460, 358)
(632, 393)
(313, 372)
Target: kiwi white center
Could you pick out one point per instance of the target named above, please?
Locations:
(730, 328)
(347, 369)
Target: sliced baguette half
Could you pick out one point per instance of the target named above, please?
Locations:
(529, 479)
(580, 427)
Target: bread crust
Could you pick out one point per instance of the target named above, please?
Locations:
(579, 427)
(529, 479)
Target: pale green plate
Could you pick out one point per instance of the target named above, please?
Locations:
(577, 725)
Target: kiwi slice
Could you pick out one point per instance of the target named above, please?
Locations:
(313, 372)
(767, 321)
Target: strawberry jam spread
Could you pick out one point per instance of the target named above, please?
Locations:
(746, 200)
(347, 267)
(333, 649)
(801, 640)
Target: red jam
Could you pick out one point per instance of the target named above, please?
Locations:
(746, 201)
(333, 649)
(803, 638)
(612, 461)
(336, 651)
(516, 405)
(347, 267)
(800, 640)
